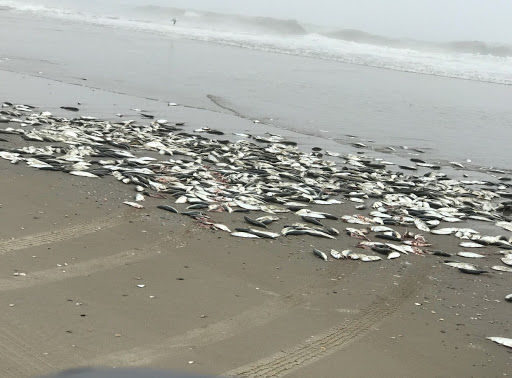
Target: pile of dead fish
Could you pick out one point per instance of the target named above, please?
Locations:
(269, 174)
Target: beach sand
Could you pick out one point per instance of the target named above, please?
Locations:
(211, 303)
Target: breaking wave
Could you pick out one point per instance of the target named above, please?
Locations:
(219, 21)
(470, 60)
(466, 47)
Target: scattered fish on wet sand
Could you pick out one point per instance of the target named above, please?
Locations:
(269, 174)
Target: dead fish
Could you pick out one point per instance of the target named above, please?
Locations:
(384, 250)
(320, 254)
(70, 108)
(472, 271)
(305, 231)
(182, 199)
(456, 164)
(328, 216)
(247, 206)
(381, 229)
(399, 248)
(508, 298)
(255, 222)
(309, 213)
(134, 204)
(388, 237)
(393, 255)
(440, 253)
(335, 254)
(267, 219)
(331, 231)
(501, 340)
(83, 174)
(198, 206)
(311, 220)
(328, 202)
(264, 234)
(420, 225)
(444, 231)
(506, 225)
(139, 197)
(470, 255)
(501, 268)
(221, 227)
(366, 258)
(507, 260)
(245, 235)
(168, 208)
(470, 245)
(459, 265)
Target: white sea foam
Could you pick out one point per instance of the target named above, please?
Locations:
(289, 37)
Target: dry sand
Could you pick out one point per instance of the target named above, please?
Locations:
(212, 303)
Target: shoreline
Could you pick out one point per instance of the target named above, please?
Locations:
(225, 119)
(449, 119)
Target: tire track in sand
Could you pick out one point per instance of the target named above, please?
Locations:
(255, 316)
(71, 232)
(18, 359)
(336, 338)
(83, 268)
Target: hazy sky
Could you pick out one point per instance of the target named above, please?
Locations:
(488, 20)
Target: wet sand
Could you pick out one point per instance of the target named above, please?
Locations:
(212, 303)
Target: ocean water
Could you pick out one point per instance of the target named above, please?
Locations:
(470, 60)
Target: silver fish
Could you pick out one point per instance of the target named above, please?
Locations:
(267, 219)
(506, 225)
(335, 254)
(367, 258)
(221, 227)
(264, 234)
(501, 340)
(134, 204)
(393, 255)
(501, 268)
(320, 254)
(244, 235)
(83, 174)
(420, 225)
(470, 245)
(381, 229)
(311, 214)
(470, 255)
(182, 199)
(444, 231)
(459, 265)
(507, 260)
